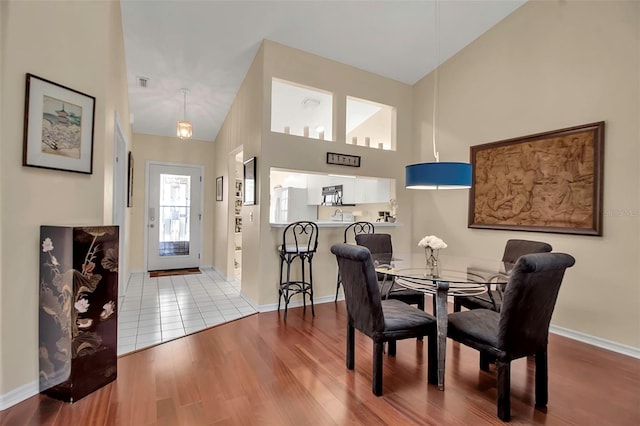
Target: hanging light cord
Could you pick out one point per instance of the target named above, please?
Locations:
(184, 113)
(435, 80)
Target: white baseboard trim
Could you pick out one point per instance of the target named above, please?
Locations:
(249, 301)
(222, 274)
(19, 394)
(296, 303)
(596, 341)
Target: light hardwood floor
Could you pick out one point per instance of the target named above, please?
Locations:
(260, 370)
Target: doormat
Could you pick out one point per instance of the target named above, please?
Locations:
(187, 271)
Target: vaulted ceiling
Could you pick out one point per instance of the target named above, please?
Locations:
(208, 46)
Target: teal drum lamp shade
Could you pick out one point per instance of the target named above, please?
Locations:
(438, 175)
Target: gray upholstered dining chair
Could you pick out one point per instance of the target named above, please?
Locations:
(381, 320)
(382, 250)
(350, 233)
(521, 328)
(493, 298)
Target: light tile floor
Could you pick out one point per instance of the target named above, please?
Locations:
(156, 310)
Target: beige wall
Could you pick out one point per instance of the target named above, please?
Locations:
(240, 132)
(170, 150)
(548, 66)
(3, 43)
(116, 100)
(248, 126)
(294, 152)
(30, 43)
(380, 127)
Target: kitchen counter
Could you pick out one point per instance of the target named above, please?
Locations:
(338, 224)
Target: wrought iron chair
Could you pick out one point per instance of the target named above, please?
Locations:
(381, 320)
(351, 231)
(521, 328)
(299, 241)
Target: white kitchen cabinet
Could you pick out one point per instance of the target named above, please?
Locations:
(365, 190)
(314, 189)
(315, 183)
(290, 205)
(348, 189)
(372, 190)
(354, 190)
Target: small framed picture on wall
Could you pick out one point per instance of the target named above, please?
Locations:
(219, 188)
(58, 127)
(249, 196)
(130, 181)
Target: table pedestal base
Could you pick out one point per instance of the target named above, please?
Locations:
(441, 312)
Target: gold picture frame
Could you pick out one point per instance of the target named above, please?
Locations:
(546, 182)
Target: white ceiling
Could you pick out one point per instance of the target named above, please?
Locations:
(208, 46)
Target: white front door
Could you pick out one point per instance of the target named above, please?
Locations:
(174, 216)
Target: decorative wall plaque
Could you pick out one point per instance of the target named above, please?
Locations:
(343, 159)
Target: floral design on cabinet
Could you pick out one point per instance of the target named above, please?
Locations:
(78, 305)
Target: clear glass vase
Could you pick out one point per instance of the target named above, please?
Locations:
(431, 256)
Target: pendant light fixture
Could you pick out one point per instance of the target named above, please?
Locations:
(184, 128)
(437, 175)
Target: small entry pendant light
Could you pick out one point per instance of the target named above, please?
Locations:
(184, 128)
(437, 175)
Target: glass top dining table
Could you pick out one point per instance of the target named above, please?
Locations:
(451, 276)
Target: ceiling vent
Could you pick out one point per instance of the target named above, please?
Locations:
(143, 82)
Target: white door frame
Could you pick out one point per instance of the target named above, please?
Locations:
(148, 163)
(120, 170)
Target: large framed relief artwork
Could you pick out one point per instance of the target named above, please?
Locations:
(547, 182)
(58, 127)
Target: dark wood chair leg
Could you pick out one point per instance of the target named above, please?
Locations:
(338, 281)
(485, 360)
(392, 348)
(542, 379)
(351, 339)
(421, 307)
(457, 306)
(432, 358)
(504, 390)
(377, 368)
(421, 304)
